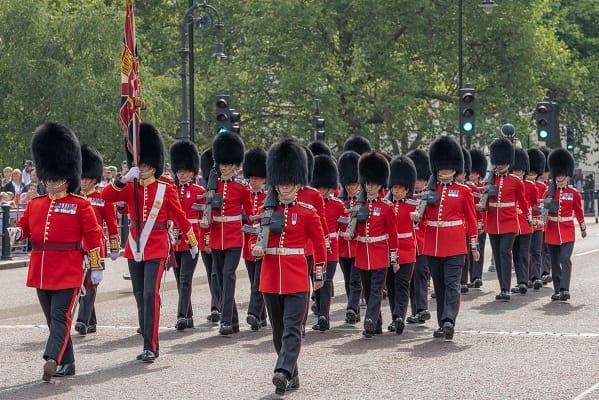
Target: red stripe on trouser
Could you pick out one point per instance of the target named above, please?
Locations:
(157, 305)
(304, 317)
(67, 335)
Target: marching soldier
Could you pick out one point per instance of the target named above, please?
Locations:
(502, 216)
(254, 170)
(359, 144)
(347, 166)
(377, 238)
(446, 224)
(319, 148)
(559, 232)
(284, 275)
(401, 181)
(92, 168)
(544, 180)
(185, 164)
(326, 180)
(537, 168)
(226, 239)
(421, 276)
(476, 182)
(56, 225)
(462, 177)
(147, 244)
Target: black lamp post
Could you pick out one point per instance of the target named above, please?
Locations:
(208, 17)
(487, 6)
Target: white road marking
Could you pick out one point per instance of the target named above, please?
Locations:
(584, 253)
(588, 391)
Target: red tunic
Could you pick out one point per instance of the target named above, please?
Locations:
(541, 189)
(377, 237)
(285, 274)
(560, 225)
(502, 216)
(477, 192)
(419, 230)
(531, 195)
(450, 221)
(105, 214)
(65, 221)
(347, 248)
(257, 200)
(157, 244)
(225, 229)
(406, 242)
(333, 208)
(309, 195)
(188, 196)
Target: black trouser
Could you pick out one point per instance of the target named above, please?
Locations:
(286, 313)
(446, 272)
(212, 282)
(353, 283)
(87, 309)
(466, 267)
(419, 285)
(184, 277)
(256, 305)
(502, 246)
(561, 265)
(521, 252)
(145, 280)
(57, 306)
(546, 259)
(536, 255)
(324, 294)
(373, 282)
(225, 262)
(398, 290)
(476, 267)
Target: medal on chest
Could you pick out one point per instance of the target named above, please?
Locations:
(376, 212)
(65, 208)
(293, 218)
(568, 196)
(453, 193)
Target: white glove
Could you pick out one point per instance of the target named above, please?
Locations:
(132, 174)
(194, 251)
(114, 255)
(15, 235)
(97, 276)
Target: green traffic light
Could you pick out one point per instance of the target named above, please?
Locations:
(467, 126)
(570, 147)
(222, 130)
(543, 134)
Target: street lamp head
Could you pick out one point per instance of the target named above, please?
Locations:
(488, 6)
(219, 52)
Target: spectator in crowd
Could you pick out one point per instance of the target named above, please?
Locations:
(113, 171)
(41, 188)
(27, 168)
(589, 188)
(124, 168)
(16, 185)
(106, 177)
(7, 175)
(29, 194)
(5, 198)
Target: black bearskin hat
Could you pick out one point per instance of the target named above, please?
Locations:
(373, 167)
(560, 162)
(479, 162)
(445, 153)
(520, 160)
(546, 150)
(348, 167)
(151, 148)
(537, 160)
(254, 163)
(317, 148)
(57, 154)
(206, 162)
(184, 156)
(467, 162)
(310, 158)
(359, 144)
(403, 172)
(286, 163)
(228, 148)
(92, 165)
(420, 159)
(502, 151)
(325, 173)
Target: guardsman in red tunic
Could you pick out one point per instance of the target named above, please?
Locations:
(185, 164)
(347, 166)
(319, 148)
(326, 180)
(521, 249)
(543, 180)
(92, 168)
(254, 170)
(502, 215)
(377, 238)
(56, 225)
(401, 181)
(447, 223)
(157, 202)
(477, 184)
(421, 276)
(226, 239)
(537, 167)
(284, 276)
(559, 232)
(462, 177)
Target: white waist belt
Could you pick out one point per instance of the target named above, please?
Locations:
(442, 224)
(499, 205)
(372, 239)
(404, 235)
(226, 218)
(283, 251)
(333, 235)
(560, 219)
(193, 221)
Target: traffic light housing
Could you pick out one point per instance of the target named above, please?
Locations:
(223, 114)
(467, 106)
(544, 120)
(235, 120)
(570, 139)
(317, 124)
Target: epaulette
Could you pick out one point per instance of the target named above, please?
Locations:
(387, 202)
(241, 181)
(335, 199)
(306, 205)
(515, 176)
(463, 185)
(165, 179)
(311, 188)
(79, 196)
(43, 196)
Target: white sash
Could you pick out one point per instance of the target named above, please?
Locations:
(145, 233)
